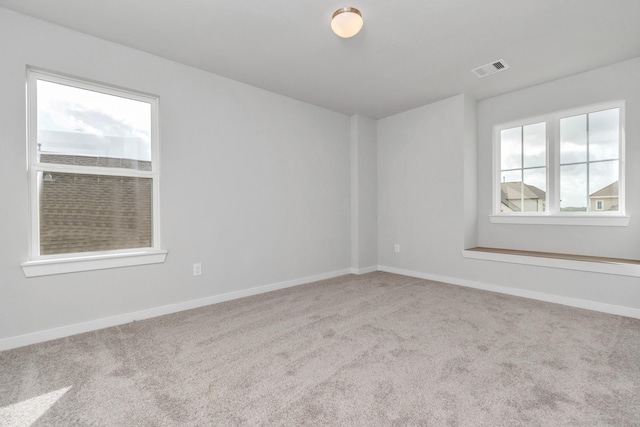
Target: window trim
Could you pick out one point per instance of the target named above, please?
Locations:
(552, 214)
(90, 261)
(603, 220)
(620, 269)
(38, 265)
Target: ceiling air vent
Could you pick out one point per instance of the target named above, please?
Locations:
(490, 68)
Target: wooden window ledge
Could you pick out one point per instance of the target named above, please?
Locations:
(594, 264)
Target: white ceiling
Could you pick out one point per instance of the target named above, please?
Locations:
(409, 53)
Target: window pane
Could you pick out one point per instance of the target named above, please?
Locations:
(511, 148)
(534, 190)
(535, 145)
(511, 176)
(511, 191)
(573, 139)
(87, 213)
(84, 127)
(573, 188)
(604, 134)
(603, 185)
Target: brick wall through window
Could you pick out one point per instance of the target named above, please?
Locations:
(88, 213)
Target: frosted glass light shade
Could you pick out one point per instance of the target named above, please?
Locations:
(347, 22)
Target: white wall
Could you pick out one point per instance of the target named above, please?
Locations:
(470, 165)
(421, 188)
(263, 189)
(364, 195)
(253, 185)
(616, 82)
(423, 193)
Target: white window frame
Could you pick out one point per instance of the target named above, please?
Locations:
(599, 205)
(39, 265)
(552, 215)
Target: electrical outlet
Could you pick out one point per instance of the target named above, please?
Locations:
(197, 269)
(396, 247)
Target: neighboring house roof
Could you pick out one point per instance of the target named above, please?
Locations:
(610, 190)
(509, 204)
(514, 190)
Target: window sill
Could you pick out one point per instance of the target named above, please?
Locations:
(615, 266)
(590, 220)
(47, 267)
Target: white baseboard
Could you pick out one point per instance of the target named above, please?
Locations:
(65, 331)
(93, 325)
(540, 296)
(364, 270)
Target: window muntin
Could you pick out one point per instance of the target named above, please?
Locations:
(589, 158)
(584, 155)
(523, 168)
(93, 168)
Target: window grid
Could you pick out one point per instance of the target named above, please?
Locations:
(554, 164)
(42, 173)
(588, 162)
(523, 182)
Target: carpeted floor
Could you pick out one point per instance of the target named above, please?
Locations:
(372, 350)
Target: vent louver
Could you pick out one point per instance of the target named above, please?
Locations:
(490, 68)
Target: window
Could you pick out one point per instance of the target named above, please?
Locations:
(589, 159)
(93, 172)
(523, 168)
(568, 164)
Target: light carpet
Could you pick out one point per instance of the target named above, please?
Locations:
(373, 350)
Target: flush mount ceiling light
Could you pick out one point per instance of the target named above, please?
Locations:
(346, 22)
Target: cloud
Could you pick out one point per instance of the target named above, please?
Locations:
(92, 123)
